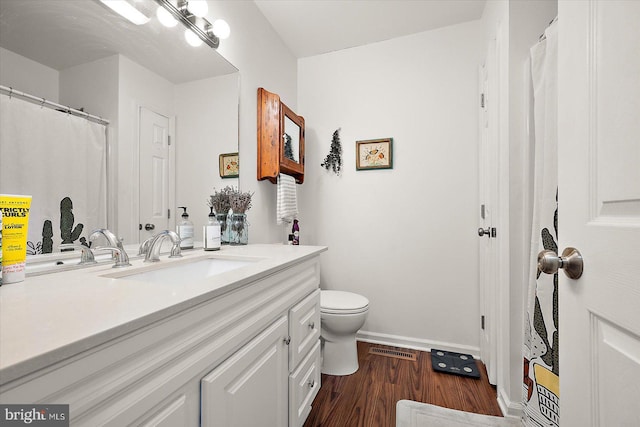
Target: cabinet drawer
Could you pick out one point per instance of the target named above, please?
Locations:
(304, 327)
(304, 384)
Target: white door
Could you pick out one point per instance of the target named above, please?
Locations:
(154, 173)
(599, 211)
(488, 184)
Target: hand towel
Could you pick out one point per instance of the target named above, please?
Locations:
(287, 203)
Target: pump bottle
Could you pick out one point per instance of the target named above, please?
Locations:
(211, 233)
(185, 230)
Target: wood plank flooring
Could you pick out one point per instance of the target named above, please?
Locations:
(368, 397)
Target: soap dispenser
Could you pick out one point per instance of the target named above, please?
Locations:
(211, 233)
(185, 230)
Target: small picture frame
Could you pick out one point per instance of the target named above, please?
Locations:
(374, 154)
(229, 165)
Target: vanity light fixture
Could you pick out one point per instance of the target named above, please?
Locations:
(127, 10)
(198, 28)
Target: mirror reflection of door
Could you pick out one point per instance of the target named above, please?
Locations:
(291, 140)
(155, 158)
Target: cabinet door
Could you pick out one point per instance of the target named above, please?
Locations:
(304, 327)
(250, 388)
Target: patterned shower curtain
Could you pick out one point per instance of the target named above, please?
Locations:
(60, 160)
(541, 374)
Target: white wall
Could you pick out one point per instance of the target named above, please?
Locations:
(406, 237)
(263, 60)
(138, 87)
(206, 126)
(28, 76)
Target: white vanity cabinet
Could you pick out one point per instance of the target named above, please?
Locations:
(250, 388)
(247, 357)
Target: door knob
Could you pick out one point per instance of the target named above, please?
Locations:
(490, 232)
(571, 262)
(149, 227)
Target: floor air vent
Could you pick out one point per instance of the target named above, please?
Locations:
(398, 354)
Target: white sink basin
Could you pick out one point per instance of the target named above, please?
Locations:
(186, 272)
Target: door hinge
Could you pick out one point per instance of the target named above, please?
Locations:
(482, 322)
(482, 100)
(169, 140)
(168, 213)
(482, 209)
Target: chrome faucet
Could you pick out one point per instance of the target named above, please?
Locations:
(119, 254)
(144, 246)
(153, 250)
(111, 238)
(87, 254)
(114, 245)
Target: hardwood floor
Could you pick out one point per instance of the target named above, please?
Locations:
(368, 397)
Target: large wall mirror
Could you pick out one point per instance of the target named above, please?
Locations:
(151, 86)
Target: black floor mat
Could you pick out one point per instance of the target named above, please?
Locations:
(454, 363)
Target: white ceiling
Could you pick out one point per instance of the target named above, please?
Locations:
(65, 33)
(313, 27)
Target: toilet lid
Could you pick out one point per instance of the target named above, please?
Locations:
(342, 302)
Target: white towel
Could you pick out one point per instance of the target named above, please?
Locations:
(287, 203)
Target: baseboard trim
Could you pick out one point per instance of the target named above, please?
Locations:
(415, 343)
(509, 408)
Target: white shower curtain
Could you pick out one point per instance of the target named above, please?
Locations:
(541, 374)
(60, 160)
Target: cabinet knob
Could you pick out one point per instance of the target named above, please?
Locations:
(287, 340)
(312, 325)
(311, 383)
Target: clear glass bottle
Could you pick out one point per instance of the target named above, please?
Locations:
(211, 233)
(238, 229)
(185, 230)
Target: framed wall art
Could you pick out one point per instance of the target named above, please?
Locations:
(229, 165)
(374, 154)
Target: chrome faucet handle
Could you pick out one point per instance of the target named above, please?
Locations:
(87, 254)
(153, 252)
(144, 246)
(121, 257)
(176, 252)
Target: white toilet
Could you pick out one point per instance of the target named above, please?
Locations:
(342, 314)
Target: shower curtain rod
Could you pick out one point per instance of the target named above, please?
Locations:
(53, 105)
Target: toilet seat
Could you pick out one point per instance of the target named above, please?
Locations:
(341, 302)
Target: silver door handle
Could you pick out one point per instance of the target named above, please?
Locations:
(149, 227)
(490, 232)
(571, 262)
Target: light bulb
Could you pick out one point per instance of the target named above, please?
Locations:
(221, 29)
(165, 17)
(192, 38)
(198, 7)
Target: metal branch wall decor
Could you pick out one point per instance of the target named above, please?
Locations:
(333, 160)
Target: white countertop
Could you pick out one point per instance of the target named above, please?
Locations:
(50, 317)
